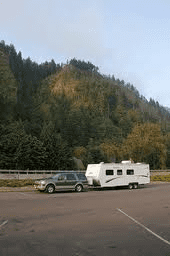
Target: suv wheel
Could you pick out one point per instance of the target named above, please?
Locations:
(79, 188)
(50, 189)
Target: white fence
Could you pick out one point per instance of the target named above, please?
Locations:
(27, 174)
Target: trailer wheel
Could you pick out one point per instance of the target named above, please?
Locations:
(135, 186)
(130, 186)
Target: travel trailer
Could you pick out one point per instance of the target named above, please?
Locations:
(118, 174)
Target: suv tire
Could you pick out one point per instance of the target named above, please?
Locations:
(79, 188)
(50, 189)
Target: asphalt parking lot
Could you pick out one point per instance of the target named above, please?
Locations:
(106, 222)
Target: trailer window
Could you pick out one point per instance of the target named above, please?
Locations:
(109, 172)
(119, 172)
(130, 172)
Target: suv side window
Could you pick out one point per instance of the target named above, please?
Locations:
(71, 176)
(81, 176)
(62, 177)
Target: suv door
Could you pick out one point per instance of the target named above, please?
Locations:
(61, 182)
(71, 180)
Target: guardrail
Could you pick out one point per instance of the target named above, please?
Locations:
(29, 174)
(159, 172)
(39, 174)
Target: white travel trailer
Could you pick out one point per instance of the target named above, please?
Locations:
(118, 174)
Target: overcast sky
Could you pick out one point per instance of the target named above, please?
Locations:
(129, 39)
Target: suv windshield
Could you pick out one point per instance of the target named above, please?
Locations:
(55, 176)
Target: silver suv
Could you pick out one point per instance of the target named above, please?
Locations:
(63, 181)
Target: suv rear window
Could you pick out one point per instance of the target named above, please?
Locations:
(81, 176)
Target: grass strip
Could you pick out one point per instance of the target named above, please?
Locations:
(165, 178)
(16, 183)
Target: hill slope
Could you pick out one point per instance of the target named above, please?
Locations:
(8, 86)
(96, 115)
(101, 98)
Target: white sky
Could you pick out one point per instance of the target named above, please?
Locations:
(129, 39)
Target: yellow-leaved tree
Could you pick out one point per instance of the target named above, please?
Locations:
(146, 144)
(111, 151)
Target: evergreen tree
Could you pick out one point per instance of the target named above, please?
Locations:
(31, 154)
(59, 154)
(10, 138)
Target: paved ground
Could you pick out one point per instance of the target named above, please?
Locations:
(31, 188)
(107, 222)
(17, 189)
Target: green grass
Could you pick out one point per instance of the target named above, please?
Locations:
(16, 183)
(165, 178)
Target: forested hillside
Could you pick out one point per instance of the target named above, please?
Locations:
(52, 113)
(8, 87)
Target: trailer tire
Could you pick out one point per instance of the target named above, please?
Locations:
(130, 186)
(135, 186)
